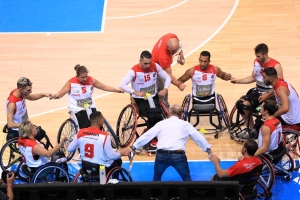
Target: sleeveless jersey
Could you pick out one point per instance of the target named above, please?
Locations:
(258, 68)
(20, 114)
(91, 143)
(293, 115)
(276, 133)
(204, 81)
(80, 94)
(145, 81)
(26, 146)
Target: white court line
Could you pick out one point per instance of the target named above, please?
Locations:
(150, 13)
(190, 53)
(103, 16)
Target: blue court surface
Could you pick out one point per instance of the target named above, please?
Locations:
(202, 171)
(52, 16)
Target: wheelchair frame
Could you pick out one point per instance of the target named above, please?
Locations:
(222, 114)
(126, 129)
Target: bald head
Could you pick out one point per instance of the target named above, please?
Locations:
(173, 45)
(176, 110)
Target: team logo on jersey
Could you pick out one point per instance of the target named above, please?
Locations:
(154, 74)
(212, 76)
(92, 88)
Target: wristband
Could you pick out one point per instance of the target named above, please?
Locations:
(9, 185)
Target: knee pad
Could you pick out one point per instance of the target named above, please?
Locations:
(241, 106)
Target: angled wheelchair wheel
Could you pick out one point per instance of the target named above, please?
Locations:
(119, 173)
(286, 163)
(291, 139)
(235, 118)
(223, 110)
(67, 129)
(267, 177)
(164, 110)
(126, 125)
(186, 106)
(10, 155)
(262, 192)
(114, 139)
(51, 173)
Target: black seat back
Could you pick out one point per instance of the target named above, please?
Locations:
(248, 180)
(90, 168)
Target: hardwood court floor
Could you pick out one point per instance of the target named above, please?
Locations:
(49, 60)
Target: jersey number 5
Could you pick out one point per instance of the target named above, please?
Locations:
(89, 150)
(147, 77)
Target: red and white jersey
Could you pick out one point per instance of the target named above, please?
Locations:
(20, 114)
(293, 115)
(80, 93)
(95, 146)
(204, 81)
(258, 69)
(276, 133)
(26, 146)
(145, 81)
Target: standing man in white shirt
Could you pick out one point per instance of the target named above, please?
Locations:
(172, 137)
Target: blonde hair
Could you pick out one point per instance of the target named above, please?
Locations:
(25, 129)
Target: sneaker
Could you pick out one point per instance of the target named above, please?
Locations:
(243, 134)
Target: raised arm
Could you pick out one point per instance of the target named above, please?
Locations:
(107, 88)
(246, 80)
(187, 75)
(222, 75)
(66, 88)
(39, 150)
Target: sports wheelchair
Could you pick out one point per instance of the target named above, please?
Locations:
(10, 154)
(128, 122)
(69, 128)
(89, 172)
(210, 110)
(291, 136)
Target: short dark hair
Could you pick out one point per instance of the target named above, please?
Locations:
(95, 116)
(271, 71)
(205, 53)
(261, 48)
(145, 54)
(23, 82)
(251, 146)
(271, 106)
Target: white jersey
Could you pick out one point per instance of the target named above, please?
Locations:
(26, 146)
(276, 133)
(293, 115)
(95, 146)
(20, 114)
(80, 94)
(145, 81)
(258, 68)
(204, 81)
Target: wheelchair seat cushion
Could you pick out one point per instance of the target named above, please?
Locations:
(203, 107)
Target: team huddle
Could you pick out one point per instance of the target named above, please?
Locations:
(278, 101)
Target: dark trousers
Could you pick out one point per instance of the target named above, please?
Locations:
(178, 161)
